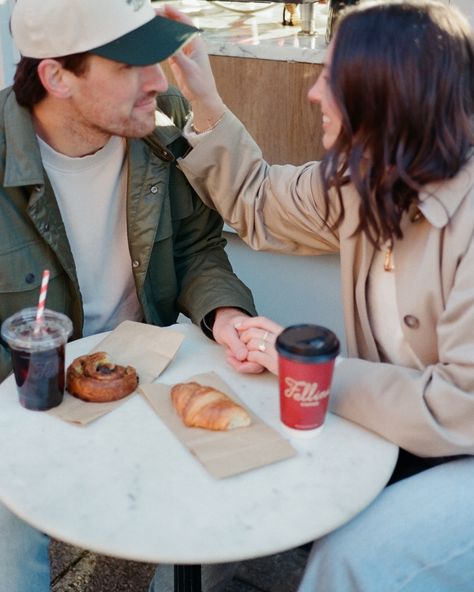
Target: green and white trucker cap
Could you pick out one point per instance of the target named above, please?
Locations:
(126, 31)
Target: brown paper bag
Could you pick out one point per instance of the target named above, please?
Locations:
(147, 348)
(223, 453)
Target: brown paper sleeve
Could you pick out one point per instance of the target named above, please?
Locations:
(222, 453)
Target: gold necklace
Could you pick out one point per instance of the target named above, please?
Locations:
(388, 263)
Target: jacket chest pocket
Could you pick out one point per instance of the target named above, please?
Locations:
(22, 264)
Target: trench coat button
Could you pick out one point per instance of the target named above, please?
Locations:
(154, 189)
(135, 263)
(411, 321)
(30, 278)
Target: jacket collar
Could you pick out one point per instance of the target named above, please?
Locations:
(165, 130)
(439, 201)
(23, 164)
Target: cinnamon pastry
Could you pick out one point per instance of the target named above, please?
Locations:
(96, 379)
(205, 407)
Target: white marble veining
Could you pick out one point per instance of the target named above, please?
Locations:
(124, 486)
(258, 34)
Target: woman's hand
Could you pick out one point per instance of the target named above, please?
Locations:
(192, 71)
(259, 335)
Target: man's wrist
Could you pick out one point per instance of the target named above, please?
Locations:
(207, 324)
(227, 312)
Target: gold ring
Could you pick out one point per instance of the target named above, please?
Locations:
(261, 346)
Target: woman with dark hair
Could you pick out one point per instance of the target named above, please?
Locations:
(394, 195)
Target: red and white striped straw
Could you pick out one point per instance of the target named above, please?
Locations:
(42, 297)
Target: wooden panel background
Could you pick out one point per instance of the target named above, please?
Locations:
(269, 97)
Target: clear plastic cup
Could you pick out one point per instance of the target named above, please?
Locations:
(306, 355)
(37, 351)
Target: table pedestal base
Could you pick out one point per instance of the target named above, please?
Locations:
(187, 578)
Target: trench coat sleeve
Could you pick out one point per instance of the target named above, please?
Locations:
(422, 412)
(277, 208)
(429, 412)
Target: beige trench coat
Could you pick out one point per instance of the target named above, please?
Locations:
(427, 409)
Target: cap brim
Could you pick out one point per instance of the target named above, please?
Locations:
(151, 43)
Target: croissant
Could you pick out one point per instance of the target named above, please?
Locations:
(96, 379)
(205, 407)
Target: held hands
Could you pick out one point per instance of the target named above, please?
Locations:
(225, 332)
(192, 71)
(259, 335)
(249, 341)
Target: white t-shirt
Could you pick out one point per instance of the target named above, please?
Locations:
(91, 194)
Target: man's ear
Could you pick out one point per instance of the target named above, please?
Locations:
(55, 79)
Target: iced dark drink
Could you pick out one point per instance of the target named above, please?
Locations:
(306, 355)
(37, 352)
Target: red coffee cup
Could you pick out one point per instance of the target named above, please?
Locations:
(306, 355)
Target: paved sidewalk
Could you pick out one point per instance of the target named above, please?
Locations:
(76, 570)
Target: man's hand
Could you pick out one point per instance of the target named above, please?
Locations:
(225, 333)
(259, 335)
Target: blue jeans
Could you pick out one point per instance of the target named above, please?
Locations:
(24, 560)
(417, 536)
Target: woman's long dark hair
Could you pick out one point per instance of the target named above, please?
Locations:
(402, 76)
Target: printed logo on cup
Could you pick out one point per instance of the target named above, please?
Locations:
(306, 393)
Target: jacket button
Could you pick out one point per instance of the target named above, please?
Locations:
(46, 227)
(154, 189)
(30, 278)
(135, 263)
(411, 321)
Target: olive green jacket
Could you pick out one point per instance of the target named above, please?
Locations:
(176, 245)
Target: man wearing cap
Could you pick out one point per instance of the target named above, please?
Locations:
(90, 191)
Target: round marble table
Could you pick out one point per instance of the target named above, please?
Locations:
(125, 486)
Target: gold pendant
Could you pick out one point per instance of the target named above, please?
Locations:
(388, 264)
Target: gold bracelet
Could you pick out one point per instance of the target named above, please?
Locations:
(214, 125)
